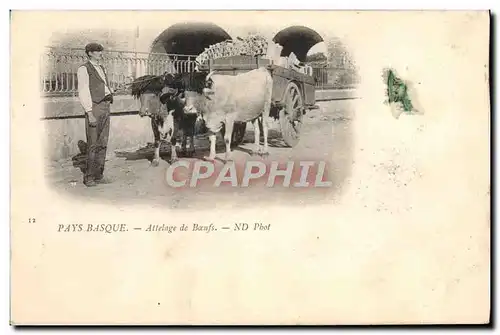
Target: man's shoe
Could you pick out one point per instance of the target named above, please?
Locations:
(103, 181)
(90, 183)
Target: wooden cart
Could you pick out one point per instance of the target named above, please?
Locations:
(293, 94)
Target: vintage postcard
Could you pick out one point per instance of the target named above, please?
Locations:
(250, 167)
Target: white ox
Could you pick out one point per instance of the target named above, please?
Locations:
(225, 99)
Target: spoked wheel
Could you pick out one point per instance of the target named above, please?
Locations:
(239, 130)
(290, 115)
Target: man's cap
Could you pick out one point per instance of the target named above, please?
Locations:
(91, 47)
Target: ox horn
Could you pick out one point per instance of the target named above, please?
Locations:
(210, 75)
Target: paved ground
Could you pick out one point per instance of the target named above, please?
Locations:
(326, 136)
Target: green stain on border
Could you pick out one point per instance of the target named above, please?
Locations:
(397, 91)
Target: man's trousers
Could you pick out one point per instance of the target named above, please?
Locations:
(97, 141)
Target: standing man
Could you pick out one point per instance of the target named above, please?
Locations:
(95, 96)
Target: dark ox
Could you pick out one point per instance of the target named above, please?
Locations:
(161, 100)
(225, 99)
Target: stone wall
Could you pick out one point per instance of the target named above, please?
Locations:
(66, 126)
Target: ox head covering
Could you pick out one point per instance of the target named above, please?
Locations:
(91, 47)
(195, 81)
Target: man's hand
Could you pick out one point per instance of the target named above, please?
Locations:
(92, 119)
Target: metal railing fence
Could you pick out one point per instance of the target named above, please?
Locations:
(59, 67)
(328, 77)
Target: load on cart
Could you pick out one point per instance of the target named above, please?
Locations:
(293, 87)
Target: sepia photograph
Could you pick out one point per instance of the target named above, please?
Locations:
(121, 105)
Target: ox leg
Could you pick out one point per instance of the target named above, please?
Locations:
(157, 141)
(227, 138)
(257, 136)
(173, 157)
(173, 149)
(156, 159)
(265, 130)
(265, 116)
(192, 150)
(190, 129)
(173, 143)
(184, 141)
(189, 150)
(213, 139)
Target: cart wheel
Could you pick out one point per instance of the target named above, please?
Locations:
(239, 130)
(291, 115)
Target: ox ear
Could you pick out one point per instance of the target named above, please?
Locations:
(208, 79)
